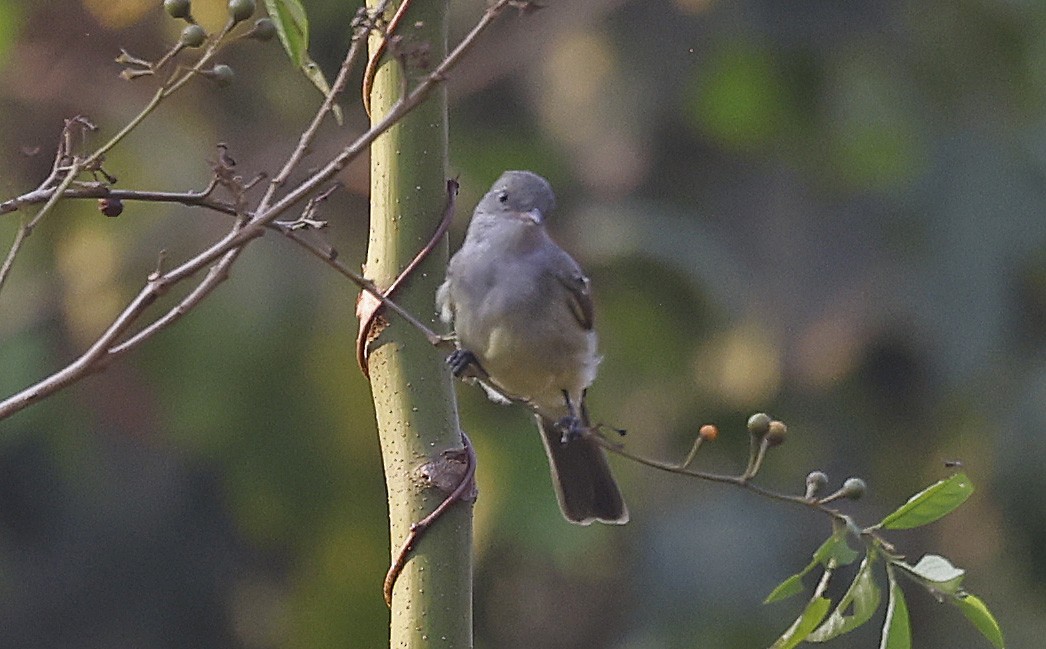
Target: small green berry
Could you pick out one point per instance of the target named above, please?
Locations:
(759, 424)
(264, 29)
(192, 36)
(221, 74)
(854, 488)
(177, 8)
(240, 10)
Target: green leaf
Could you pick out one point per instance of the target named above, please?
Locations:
(315, 75)
(787, 588)
(897, 633)
(292, 26)
(978, 614)
(812, 615)
(863, 594)
(937, 573)
(841, 553)
(834, 550)
(931, 503)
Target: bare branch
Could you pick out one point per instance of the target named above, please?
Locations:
(223, 253)
(16, 245)
(216, 275)
(26, 228)
(191, 199)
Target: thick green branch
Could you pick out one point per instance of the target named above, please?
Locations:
(413, 394)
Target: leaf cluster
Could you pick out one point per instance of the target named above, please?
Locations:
(820, 622)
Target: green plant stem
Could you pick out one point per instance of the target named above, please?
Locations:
(412, 389)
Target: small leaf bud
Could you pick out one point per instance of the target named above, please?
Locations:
(817, 479)
(854, 488)
(240, 10)
(192, 36)
(177, 8)
(220, 74)
(815, 482)
(264, 29)
(759, 424)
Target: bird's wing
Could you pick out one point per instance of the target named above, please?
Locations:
(580, 295)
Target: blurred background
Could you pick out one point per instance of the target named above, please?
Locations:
(829, 211)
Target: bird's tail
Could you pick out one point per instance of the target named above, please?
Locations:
(581, 476)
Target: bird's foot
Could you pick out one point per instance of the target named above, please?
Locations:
(464, 364)
(572, 427)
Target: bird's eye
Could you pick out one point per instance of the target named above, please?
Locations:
(503, 197)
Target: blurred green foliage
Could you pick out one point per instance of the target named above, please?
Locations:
(829, 211)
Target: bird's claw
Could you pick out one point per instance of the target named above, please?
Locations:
(461, 361)
(572, 428)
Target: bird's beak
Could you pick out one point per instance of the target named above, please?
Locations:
(532, 216)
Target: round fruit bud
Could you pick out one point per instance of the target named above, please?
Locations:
(264, 29)
(240, 10)
(776, 432)
(759, 424)
(221, 74)
(177, 8)
(854, 488)
(708, 433)
(110, 206)
(192, 36)
(816, 480)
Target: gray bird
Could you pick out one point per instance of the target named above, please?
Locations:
(522, 312)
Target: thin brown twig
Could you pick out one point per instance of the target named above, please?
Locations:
(67, 180)
(191, 199)
(688, 460)
(744, 480)
(216, 275)
(738, 480)
(50, 195)
(368, 310)
(328, 256)
(9, 260)
(169, 87)
(309, 134)
(27, 227)
(106, 348)
(50, 200)
(256, 226)
(379, 52)
(418, 529)
(203, 199)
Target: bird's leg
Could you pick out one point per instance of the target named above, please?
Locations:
(572, 426)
